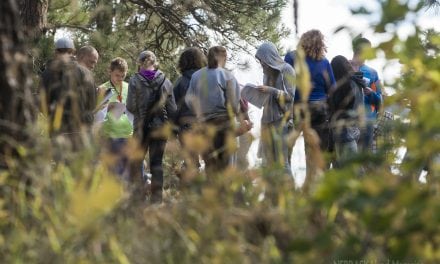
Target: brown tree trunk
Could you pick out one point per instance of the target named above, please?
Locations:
(295, 16)
(104, 16)
(16, 101)
(33, 15)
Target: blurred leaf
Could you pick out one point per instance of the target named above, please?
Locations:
(117, 251)
(360, 11)
(87, 205)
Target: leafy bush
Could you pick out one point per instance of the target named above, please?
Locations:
(58, 206)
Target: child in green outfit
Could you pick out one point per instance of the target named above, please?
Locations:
(117, 126)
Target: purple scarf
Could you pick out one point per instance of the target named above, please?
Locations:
(148, 74)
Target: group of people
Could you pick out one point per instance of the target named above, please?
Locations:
(207, 101)
(345, 98)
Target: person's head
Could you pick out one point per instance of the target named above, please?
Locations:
(88, 57)
(217, 57)
(64, 46)
(191, 59)
(312, 42)
(147, 60)
(360, 44)
(270, 60)
(118, 70)
(342, 69)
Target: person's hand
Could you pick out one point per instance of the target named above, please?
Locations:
(263, 88)
(245, 126)
(367, 90)
(100, 90)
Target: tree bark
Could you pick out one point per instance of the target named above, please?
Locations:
(33, 15)
(16, 101)
(104, 16)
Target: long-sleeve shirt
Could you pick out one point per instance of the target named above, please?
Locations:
(179, 91)
(143, 104)
(281, 100)
(282, 96)
(210, 91)
(321, 77)
(372, 101)
(70, 86)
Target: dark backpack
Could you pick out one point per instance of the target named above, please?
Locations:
(156, 113)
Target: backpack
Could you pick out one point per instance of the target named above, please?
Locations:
(155, 114)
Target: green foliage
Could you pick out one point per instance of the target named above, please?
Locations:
(125, 28)
(58, 206)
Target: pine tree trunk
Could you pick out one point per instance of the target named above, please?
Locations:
(33, 15)
(16, 101)
(104, 18)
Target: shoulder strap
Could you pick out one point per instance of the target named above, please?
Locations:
(149, 111)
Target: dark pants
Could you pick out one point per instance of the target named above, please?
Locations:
(191, 158)
(366, 139)
(156, 148)
(319, 122)
(117, 147)
(218, 156)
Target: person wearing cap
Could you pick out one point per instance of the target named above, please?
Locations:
(67, 90)
(276, 121)
(151, 101)
(88, 57)
(64, 46)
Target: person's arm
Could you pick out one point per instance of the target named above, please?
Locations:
(233, 94)
(286, 95)
(91, 97)
(190, 94)
(131, 103)
(289, 84)
(377, 95)
(331, 84)
(177, 91)
(290, 58)
(373, 95)
(170, 103)
(244, 109)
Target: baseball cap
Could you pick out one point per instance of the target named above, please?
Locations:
(64, 43)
